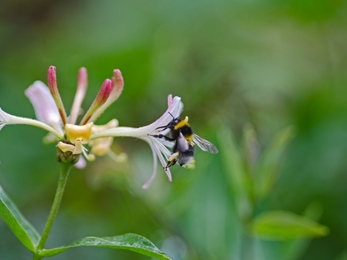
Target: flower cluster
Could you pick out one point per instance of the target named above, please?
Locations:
(72, 138)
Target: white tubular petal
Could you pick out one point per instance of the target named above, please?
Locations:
(7, 119)
(45, 108)
(121, 131)
(163, 161)
(175, 107)
(3, 120)
(162, 148)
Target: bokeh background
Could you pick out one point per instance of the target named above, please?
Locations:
(270, 63)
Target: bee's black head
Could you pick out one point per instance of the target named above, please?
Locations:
(171, 124)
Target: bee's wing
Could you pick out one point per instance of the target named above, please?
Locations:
(204, 144)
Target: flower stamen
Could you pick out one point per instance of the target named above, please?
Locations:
(82, 85)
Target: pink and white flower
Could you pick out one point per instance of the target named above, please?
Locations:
(158, 145)
(73, 138)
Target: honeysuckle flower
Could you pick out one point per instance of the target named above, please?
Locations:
(159, 146)
(51, 115)
(72, 139)
(78, 136)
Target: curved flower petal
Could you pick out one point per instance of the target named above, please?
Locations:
(81, 163)
(79, 133)
(161, 152)
(175, 108)
(155, 165)
(66, 147)
(45, 108)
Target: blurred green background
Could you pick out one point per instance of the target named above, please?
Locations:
(270, 63)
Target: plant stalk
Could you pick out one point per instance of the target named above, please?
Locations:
(64, 173)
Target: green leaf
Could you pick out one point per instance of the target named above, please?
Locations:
(294, 248)
(271, 157)
(132, 242)
(23, 230)
(286, 225)
(239, 181)
(250, 148)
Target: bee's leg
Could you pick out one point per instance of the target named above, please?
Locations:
(172, 160)
(161, 128)
(164, 136)
(174, 156)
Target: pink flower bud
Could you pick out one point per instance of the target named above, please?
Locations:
(100, 99)
(53, 88)
(104, 92)
(52, 81)
(117, 88)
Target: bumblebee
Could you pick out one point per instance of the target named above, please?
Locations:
(184, 138)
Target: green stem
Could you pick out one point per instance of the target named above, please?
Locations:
(64, 173)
